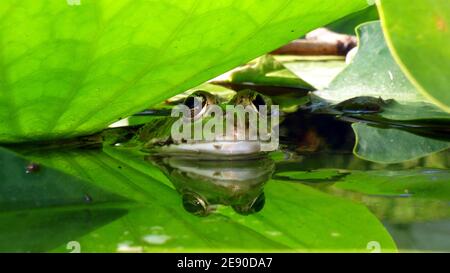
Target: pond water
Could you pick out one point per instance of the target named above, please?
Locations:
(406, 198)
(311, 195)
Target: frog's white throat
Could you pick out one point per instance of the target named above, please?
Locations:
(229, 148)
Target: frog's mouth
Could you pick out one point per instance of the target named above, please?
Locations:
(229, 149)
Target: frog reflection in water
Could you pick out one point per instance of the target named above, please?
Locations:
(218, 171)
(205, 184)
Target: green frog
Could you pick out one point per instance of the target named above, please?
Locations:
(220, 136)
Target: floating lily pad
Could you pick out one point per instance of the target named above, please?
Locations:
(25, 184)
(268, 71)
(318, 71)
(393, 145)
(374, 72)
(419, 183)
(395, 196)
(42, 208)
(44, 230)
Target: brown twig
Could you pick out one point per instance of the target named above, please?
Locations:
(319, 42)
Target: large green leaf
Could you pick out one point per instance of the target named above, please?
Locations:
(69, 69)
(348, 23)
(373, 72)
(418, 34)
(295, 217)
(300, 209)
(283, 225)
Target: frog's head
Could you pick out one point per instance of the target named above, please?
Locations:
(245, 126)
(251, 98)
(203, 185)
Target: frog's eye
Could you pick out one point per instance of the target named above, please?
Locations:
(198, 101)
(195, 104)
(255, 206)
(259, 101)
(194, 204)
